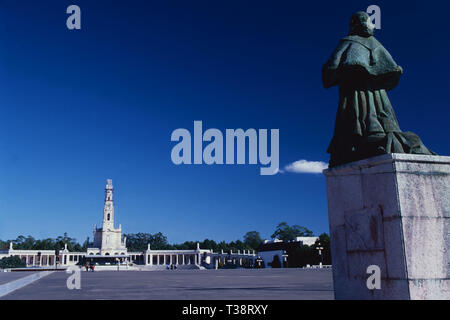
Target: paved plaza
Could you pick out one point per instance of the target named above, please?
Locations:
(6, 277)
(240, 284)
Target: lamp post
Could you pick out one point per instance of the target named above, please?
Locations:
(320, 248)
(285, 259)
(258, 262)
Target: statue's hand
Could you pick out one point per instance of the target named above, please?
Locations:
(400, 69)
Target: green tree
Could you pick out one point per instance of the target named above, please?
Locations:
(30, 243)
(139, 241)
(303, 255)
(208, 244)
(187, 245)
(4, 245)
(222, 245)
(12, 262)
(285, 232)
(252, 239)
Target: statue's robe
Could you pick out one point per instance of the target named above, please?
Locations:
(366, 124)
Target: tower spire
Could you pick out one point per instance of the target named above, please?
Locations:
(108, 210)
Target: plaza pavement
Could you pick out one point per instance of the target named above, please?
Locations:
(6, 277)
(240, 284)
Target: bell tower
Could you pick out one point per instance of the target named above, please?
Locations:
(108, 210)
(107, 239)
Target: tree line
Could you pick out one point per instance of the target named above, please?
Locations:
(30, 243)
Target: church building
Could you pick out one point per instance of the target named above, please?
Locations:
(107, 239)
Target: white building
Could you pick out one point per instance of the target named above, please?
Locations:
(109, 247)
(108, 240)
(305, 241)
(279, 248)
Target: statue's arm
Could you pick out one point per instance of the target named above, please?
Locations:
(330, 69)
(386, 73)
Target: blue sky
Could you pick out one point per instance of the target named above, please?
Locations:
(78, 107)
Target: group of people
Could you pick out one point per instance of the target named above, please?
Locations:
(89, 266)
(171, 267)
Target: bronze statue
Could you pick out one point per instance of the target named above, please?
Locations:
(366, 124)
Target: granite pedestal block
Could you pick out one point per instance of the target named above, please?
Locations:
(392, 211)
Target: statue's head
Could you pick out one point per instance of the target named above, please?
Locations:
(360, 25)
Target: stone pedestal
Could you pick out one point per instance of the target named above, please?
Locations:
(392, 211)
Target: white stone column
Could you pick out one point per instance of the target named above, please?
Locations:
(392, 212)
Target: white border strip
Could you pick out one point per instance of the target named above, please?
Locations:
(9, 287)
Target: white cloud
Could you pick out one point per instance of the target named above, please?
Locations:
(304, 166)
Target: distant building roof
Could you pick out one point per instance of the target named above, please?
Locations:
(287, 246)
(276, 244)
